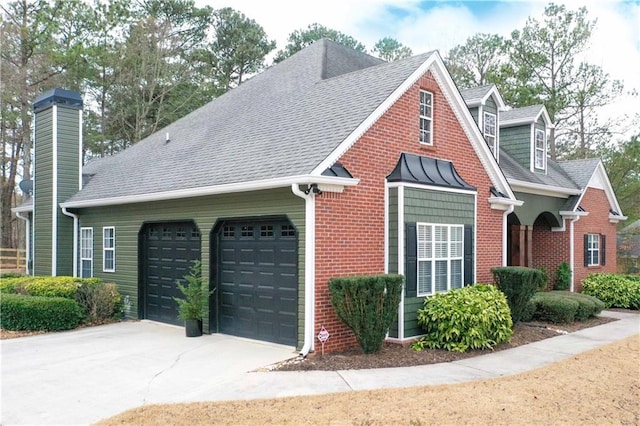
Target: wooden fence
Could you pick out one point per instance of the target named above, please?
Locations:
(13, 260)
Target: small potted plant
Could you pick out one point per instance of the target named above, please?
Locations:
(191, 307)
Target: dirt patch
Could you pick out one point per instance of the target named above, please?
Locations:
(395, 355)
(598, 387)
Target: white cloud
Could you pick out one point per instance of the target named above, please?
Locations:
(615, 43)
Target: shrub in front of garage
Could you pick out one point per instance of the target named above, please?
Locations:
(21, 312)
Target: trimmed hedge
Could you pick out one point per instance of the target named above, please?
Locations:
(474, 317)
(618, 291)
(367, 304)
(562, 307)
(20, 312)
(519, 284)
(563, 277)
(97, 299)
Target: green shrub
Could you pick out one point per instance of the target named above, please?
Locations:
(20, 312)
(368, 305)
(529, 311)
(475, 317)
(554, 308)
(191, 306)
(52, 286)
(519, 284)
(11, 285)
(618, 291)
(99, 301)
(563, 277)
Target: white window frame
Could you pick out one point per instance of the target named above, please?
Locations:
(593, 249)
(490, 134)
(86, 250)
(427, 252)
(108, 246)
(540, 150)
(426, 116)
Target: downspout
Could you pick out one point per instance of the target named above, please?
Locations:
(572, 251)
(309, 266)
(28, 238)
(505, 229)
(75, 239)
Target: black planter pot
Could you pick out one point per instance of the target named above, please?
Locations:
(193, 327)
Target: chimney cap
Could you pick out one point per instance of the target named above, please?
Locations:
(68, 98)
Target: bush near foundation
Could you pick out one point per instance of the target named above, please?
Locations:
(98, 300)
(617, 291)
(519, 284)
(20, 312)
(475, 317)
(562, 307)
(367, 304)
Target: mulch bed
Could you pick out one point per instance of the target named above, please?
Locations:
(396, 355)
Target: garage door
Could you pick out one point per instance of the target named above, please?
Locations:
(258, 280)
(169, 250)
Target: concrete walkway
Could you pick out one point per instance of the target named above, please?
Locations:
(83, 376)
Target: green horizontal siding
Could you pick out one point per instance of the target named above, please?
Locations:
(422, 205)
(205, 212)
(429, 206)
(43, 192)
(534, 205)
(517, 142)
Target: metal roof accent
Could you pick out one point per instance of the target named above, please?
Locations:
(427, 171)
(337, 170)
(68, 98)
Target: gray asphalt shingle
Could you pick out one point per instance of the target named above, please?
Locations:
(282, 122)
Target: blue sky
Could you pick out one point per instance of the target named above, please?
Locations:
(442, 24)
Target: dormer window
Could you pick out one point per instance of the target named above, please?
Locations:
(490, 131)
(540, 150)
(426, 117)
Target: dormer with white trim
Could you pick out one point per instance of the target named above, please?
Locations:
(485, 105)
(523, 134)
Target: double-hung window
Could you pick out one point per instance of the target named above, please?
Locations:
(426, 117)
(593, 249)
(86, 252)
(109, 249)
(440, 257)
(490, 131)
(541, 150)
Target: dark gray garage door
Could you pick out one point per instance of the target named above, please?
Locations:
(169, 250)
(258, 280)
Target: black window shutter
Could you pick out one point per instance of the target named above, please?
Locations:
(411, 255)
(468, 255)
(603, 249)
(586, 249)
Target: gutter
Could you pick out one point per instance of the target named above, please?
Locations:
(216, 189)
(309, 266)
(27, 237)
(75, 239)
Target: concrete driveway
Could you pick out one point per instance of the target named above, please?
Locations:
(82, 376)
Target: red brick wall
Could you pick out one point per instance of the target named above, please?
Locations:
(350, 226)
(550, 249)
(597, 222)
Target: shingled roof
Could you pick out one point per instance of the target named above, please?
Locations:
(555, 176)
(283, 122)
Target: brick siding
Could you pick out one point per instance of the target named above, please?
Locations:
(597, 222)
(350, 226)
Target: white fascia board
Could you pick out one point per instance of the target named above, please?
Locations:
(539, 189)
(354, 136)
(613, 218)
(431, 187)
(498, 97)
(28, 208)
(572, 214)
(214, 190)
(608, 188)
(501, 203)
